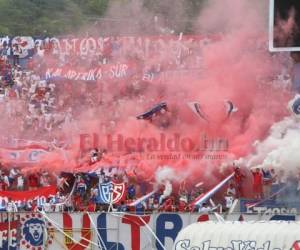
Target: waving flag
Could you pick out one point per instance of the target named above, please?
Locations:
(162, 106)
(196, 108)
(22, 156)
(230, 108)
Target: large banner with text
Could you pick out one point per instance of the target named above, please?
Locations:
(82, 231)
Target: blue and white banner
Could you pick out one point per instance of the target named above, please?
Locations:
(111, 193)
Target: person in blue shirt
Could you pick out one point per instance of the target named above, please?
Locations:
(131, 192)
(139, 208)
(123, 207)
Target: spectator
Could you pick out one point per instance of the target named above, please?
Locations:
(267, 183)
(3, 185)
(12, 176)
(123, 207)
(91, 206)
(257, 183)
(298, 186)
(182, 204)
(231, 190)
(45, 179)
(131, 192)
(69, 206)
(6, 181)
(33, 181)
(20, 182)
(11, 206)
(238, 180)
(47, 206)
(204, 209)
(140, 208)
(275, 183)
(34, 207)
(81, 186)
(17, 51)
(168, 205)
(229, 196)
(94, 155)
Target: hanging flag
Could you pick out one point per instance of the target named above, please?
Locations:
(196, 108)
(21, 197)
(24, 156)
(158, 108)
(111, 193)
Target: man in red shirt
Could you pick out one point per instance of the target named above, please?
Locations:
(33, 181)
(182, 206)
(257, 183)
(238, 182)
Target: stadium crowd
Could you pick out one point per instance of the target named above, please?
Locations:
(40, 104)
(81, 191)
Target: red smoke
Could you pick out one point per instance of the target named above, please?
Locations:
(238, 68)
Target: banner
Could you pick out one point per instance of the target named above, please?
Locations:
(269, 207)
(107, 71)
(23, 156)
(263, 235)
(23, 197)
(8, 235)
(111, 193)
(84, 231)
(147, 46)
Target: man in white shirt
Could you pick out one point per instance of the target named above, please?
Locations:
(20, 182)
(11, 206)
(231, 190)
(228, 202)
(47, 206)
(6, 181)
(12, 175)
(204, 209)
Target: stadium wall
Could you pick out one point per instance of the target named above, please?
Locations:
(80, 231)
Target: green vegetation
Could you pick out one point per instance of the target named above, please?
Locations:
(55, 17)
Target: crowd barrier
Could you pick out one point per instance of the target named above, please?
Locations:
(119, 231)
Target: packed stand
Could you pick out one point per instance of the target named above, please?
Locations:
(81, 191)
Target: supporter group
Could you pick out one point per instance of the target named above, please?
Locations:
(38, 103)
